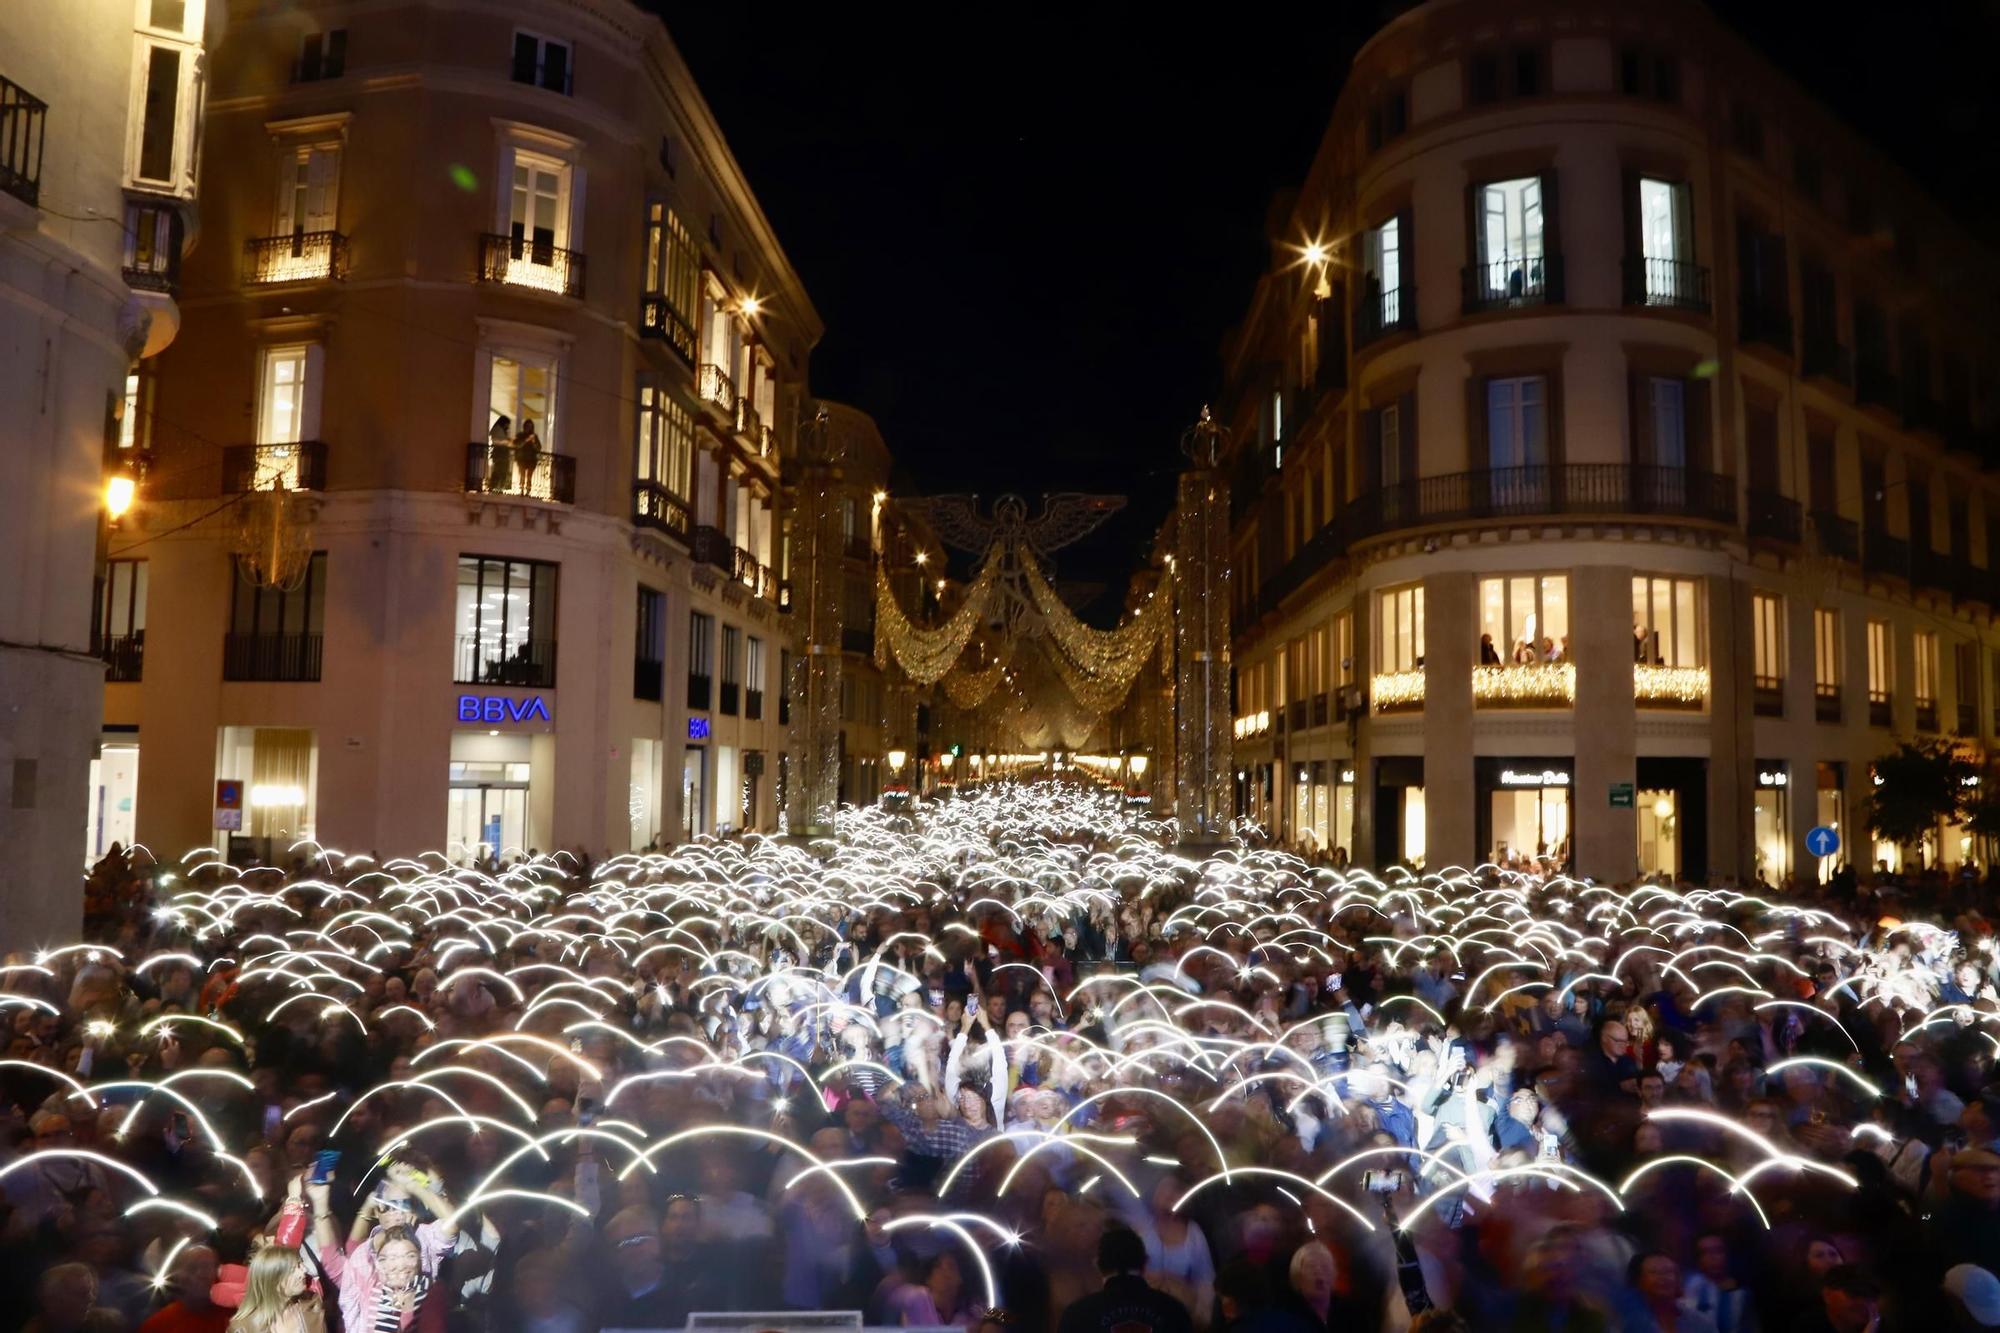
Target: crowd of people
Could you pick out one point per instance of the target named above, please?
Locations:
(1007, 1063)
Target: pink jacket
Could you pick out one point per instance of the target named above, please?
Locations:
(358, 1279)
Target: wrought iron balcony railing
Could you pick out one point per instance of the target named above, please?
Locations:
(1379, 314)
(1672, 284)
(1883, 554)
(656, 507)
(522, 262)
(749, 422)
(124, 657)
(751, 572)
(1826, 703)
(1608, 489)
(753, 705)
(857, 639)
(278, 657)
(1837, 536)
(508, 469)
(648, 679)
(23, 125)
(1772, 517)
(699, 692)
(1505, 284)
(300, 466)
(1524, 685)
(303, 256)
(712, 547)
(659, 319)
(525, 663)
(713, 385)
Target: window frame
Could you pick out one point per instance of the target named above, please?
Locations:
(1541, 579)
(1881, 646)
(1400, 640)
(544, 585)
(540, 70)
(1698, 630)
(1767, 652)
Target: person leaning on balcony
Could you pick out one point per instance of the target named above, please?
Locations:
(496, 469)
(527, 453)
(1524, 653)
(1488, 654)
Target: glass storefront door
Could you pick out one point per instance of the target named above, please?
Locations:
(694, 793)
(1531, 824)
(114, 794)
(487, 813)
(1771, 818)
(1659, 832)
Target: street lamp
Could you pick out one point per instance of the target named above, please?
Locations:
(896, 758)
(1139, 762)
(120, 489)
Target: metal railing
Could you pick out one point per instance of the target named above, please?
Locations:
(753, 705)
(648, 679)
(1673, 284)
(520, 262)
(726, 704)
(280, 657)
(1380, 314)
(1826, 703)
(1883, 554)
(1837, 536)
(1543, 490)
(1773, 517)
(1296, 714)
(23, 127)
(1876, 384)
(1767, 696)
(303, 256)
(153, 235)
(712, 547)
(1930, 569)
(699, 692)
(1970, 583)
(713, 385)
(1878, 710)
(1503, 284)
(1968, 719)
(124, 657)
(271, 467)
(749, 422)
(526, 663)
(508, 469)
(1821, 357)
(752, 573)
(1927, 715)
(656, 507)
(659, 319)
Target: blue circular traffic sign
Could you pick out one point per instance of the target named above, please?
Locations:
(1822, 841)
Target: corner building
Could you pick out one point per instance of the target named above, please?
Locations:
(1613, 460)
(434, 227)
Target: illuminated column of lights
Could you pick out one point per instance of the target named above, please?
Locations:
(816, 719)
(1201, 636)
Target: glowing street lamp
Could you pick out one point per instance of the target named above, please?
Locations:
(896, 758)
(120, 490)
(1139, 762)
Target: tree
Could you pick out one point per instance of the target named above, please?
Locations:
(1918, 784)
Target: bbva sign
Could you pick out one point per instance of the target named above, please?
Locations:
(499, 708)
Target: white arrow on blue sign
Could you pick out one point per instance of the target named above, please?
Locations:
(1822, 841)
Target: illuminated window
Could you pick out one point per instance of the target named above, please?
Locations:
(1523, 620)
(1925, 687)
(666, 440)
(1402, 626)
(1666, 622)
(1826, 664)
(673, 272)
(522, 392)
(1767, 670)
(1510, 232)
(1382, 264)
(1881, 673)
(1343, 648)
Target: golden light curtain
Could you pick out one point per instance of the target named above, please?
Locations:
(926, 654)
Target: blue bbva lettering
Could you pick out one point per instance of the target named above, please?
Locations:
(468, 708)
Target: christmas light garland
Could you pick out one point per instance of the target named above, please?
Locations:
(925, 655)
(1679, 686)
(1525, 685)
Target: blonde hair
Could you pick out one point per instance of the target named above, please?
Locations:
(264, 1298)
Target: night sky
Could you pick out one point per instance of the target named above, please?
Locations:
(1028, 243)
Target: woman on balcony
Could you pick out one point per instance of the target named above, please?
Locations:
(499, 461)
(1488, 654)
(527, 454)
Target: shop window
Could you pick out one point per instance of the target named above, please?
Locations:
(1830, 809)
(1771, 818)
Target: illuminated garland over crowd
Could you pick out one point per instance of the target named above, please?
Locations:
(926, 654)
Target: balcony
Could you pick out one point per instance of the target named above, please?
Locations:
(658, 319)
(505, 469)
(726, 704)
(656, 507)
(648, 679)
(753, 705)
(1508, 284)
(752, 573)
(1684, 688)
(1930, 569)
(1295, 715)
(1927, 715)
(1398, 691)
(523, 663)
(1838, 537)
(749, 423)
(1768, 325)
(1609, 489)
(1378, 315)
(1821, 357)
(713, 385)
(1875, 384)
(1526, 685)
(153, 235)
(1878, 709)
(857, 639)
(1968, 719)
(767, 442)
(1320, 710)
(23, 122)
(784, 594)
(1883, 554)
(274, 467)
(304, 256)
(1767, 696)
(1970, 583)
(1773, 517)
(712, 547)
(698, 692)
(274, 657)
(1826, 703)
(784, 707)
(541, 265)
(124, 657)
(1666, 284)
